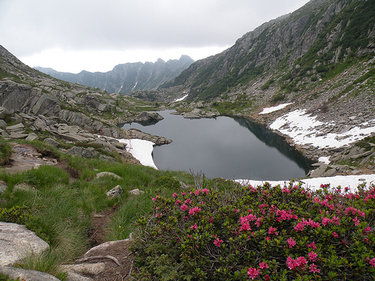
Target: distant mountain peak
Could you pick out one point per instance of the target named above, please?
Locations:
(127, 77)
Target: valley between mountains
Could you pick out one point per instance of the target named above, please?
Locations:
(82, 199)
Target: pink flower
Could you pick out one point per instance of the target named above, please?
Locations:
(301, 262)
(158, 215)
(325, 221)
(218, 242)
(266, 277)
(194, 211)
(291, 242)
(335, 234)
(183, 193)
(178, 202)
(356, 221)
(205, 191)
(263, 265)
(300, 226)
(298, 263)
(194, 226)
(313, 268)
(188, 201)
(155, 198)
(184, 207)
(372, 262)
(272, 230)
(312, 245)
(253, 273)
(174, 195)
(268, 238)
(196, 193)
(313, 256)
(367, 229)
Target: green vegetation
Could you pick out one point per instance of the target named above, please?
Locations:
(5, 152)
(4, 74)
(59, 208)
(352, 26)
(258, 233)
(228, 108)
(4, 277)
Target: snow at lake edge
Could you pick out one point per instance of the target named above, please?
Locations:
(267, 110)
(141, 150)
(351, 181)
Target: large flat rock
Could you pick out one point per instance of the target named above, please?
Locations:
(27, 275)
(17, 242)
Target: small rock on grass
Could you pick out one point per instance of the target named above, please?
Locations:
(115, 192)
(136, 192)
(3, 186)
(107, 174)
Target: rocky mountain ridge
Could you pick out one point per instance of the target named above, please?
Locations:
(128, 77)
(36, 106)
(286, 55)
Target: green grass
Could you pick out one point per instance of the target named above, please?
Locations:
(5, 152)
(59, 209)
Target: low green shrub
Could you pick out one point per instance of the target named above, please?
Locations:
(5, 152)
(4, 277)
(263, 233)
(15, 214)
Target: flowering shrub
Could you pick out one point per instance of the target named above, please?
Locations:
(258, 233)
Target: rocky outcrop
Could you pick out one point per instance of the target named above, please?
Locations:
(102, 262)
(147, 118)
(17, 242)
(136, 134)
(26, 275)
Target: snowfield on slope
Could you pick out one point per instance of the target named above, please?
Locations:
(141, 150)
(305, 129)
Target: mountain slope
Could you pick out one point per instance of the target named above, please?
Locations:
(128, 77)
(286, 53)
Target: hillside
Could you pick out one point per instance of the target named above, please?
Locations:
(287, 55)
(128, 77)
(77, 119)
(317, 64)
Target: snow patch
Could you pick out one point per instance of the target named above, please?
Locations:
(181, 99)
(141, 150)
(135, 85)
(305, 129)
(351, 182)
(324, 160)
(275, 108)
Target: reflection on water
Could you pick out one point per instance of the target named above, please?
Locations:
(224, 147)
(274, 140)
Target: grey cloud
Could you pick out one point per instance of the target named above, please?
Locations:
(30, 26)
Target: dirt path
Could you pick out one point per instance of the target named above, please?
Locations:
(26, 157)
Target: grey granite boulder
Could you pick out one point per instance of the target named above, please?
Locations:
(27, 275)
(17, 242)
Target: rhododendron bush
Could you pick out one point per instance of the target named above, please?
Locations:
(258, 233)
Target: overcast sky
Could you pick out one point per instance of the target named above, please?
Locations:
(95, 35)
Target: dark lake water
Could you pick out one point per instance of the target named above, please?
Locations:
(223, 147)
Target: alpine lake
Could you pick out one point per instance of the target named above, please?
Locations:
(226, 147)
